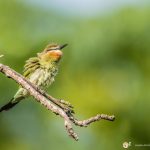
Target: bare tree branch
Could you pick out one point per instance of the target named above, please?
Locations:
(87, 122)
(59, 107)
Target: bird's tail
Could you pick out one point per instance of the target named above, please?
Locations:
(10, 104)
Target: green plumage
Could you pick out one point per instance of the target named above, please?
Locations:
(39, 70)
(38, 74)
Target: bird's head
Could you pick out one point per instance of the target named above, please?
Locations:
(52, 53)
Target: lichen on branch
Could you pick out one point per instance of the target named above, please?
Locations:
(59, 107)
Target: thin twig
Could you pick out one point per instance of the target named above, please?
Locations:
(85, 123)
(52, 103)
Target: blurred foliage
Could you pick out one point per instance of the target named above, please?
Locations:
(105, 69)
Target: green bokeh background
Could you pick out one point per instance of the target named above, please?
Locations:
(105, 69)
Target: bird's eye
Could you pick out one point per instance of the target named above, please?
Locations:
(48, 50)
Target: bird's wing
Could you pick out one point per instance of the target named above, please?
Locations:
(30, 66)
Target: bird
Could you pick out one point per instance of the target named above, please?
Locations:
(40, 70)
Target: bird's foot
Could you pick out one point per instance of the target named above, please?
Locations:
(66, 103)
(66, 106)
(69, 111)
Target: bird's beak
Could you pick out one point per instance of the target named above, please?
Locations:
(62, 46)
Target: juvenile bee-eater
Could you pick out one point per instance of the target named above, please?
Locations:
(40, 71)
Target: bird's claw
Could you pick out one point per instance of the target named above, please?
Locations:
(67, 107)
(66, 103)
(69, 111)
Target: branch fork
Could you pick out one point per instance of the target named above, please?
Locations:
(59, 107)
